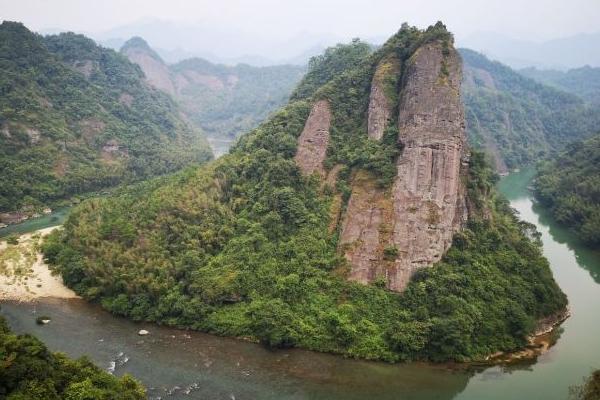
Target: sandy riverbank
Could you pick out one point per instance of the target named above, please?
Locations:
(23, 274)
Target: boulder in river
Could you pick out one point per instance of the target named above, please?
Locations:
(143, 332)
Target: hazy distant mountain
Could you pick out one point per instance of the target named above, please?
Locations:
(570, 52)
(224, 100)
(214, 43)
(584, 81)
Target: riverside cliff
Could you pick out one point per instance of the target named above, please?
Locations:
(391, 235)
(339, 224)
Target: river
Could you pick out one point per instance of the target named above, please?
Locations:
(33, 224)
(176, 364)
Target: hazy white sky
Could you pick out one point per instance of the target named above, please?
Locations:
(527, 19)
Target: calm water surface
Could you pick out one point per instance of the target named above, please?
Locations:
(176, 364)
(57, 217)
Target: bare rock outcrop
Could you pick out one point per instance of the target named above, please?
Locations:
(428, 194)
(314, 139)
(157, 73)
(85, 67)
(91, 127)
(380, 106)
(33, 134)
(391, 235)
(366, 228)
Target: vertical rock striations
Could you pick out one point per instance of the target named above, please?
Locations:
(380, 105)
(314, 139)
(391, 234)
(428, 194)
(364, 232)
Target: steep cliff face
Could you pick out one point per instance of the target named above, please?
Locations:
(380, 103)
(366, 229)
(314, 139)
(429, 203)
(391, 235)
(253, 244)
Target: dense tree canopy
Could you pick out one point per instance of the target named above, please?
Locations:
(583, 82)
(225, 101)
(569, 186)
(517, 118)
(76, 117)
(29, 371)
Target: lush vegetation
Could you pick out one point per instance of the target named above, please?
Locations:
(242, 248)
(589, 390)
(583, 82)
(76, 117)
(29, 371)
(335, 60)
(516, 118)
(569, 185)
(226, 101)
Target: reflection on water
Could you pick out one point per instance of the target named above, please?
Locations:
(176, 364)
(586, 257)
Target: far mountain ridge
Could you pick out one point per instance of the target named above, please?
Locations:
(222, 100)
(518, 119)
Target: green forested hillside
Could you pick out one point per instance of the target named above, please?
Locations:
(583, 82)
(76, 117)
(243, 247)
(30, 371)
(519, 120)
(225, 101)
(569, 185)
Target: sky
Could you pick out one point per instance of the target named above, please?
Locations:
(271, 21)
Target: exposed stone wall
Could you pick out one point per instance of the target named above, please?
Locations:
(366, 229)
(157, 73)
(314, 139)
(416, 221)
(380, 106)
(428, 196)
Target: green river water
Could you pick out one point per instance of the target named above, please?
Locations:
(176, 364)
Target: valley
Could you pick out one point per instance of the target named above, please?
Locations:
(409, 219)
(193, 365)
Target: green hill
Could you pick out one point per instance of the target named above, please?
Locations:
(260, 243)
(569, 185)
(225, 101)
(516, 118)
(583, 82)
(76, 117)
